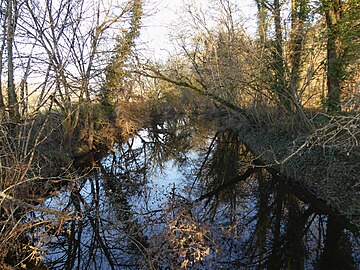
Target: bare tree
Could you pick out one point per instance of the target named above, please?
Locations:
(77, 38)
(58, 51)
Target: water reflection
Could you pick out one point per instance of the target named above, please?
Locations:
(183, 194)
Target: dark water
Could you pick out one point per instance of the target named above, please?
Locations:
(184, 195)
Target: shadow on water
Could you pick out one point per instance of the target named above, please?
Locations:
(182, 194)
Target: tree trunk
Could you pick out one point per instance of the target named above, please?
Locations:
(332, 10)
(279, 85)
(12, 98)
(262, 14)
(298, 17)
(2, 104)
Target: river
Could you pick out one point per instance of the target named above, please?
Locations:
(185, 194)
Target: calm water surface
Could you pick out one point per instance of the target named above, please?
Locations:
(183, 194)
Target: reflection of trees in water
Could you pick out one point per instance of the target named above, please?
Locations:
(108, 233)
(97, 238)
(223, 163)
(245, 218)
(173, 139)
(266, 226)
(337, 248)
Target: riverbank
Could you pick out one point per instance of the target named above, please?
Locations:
(324, 173)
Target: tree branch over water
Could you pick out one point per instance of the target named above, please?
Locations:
(153, 73)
